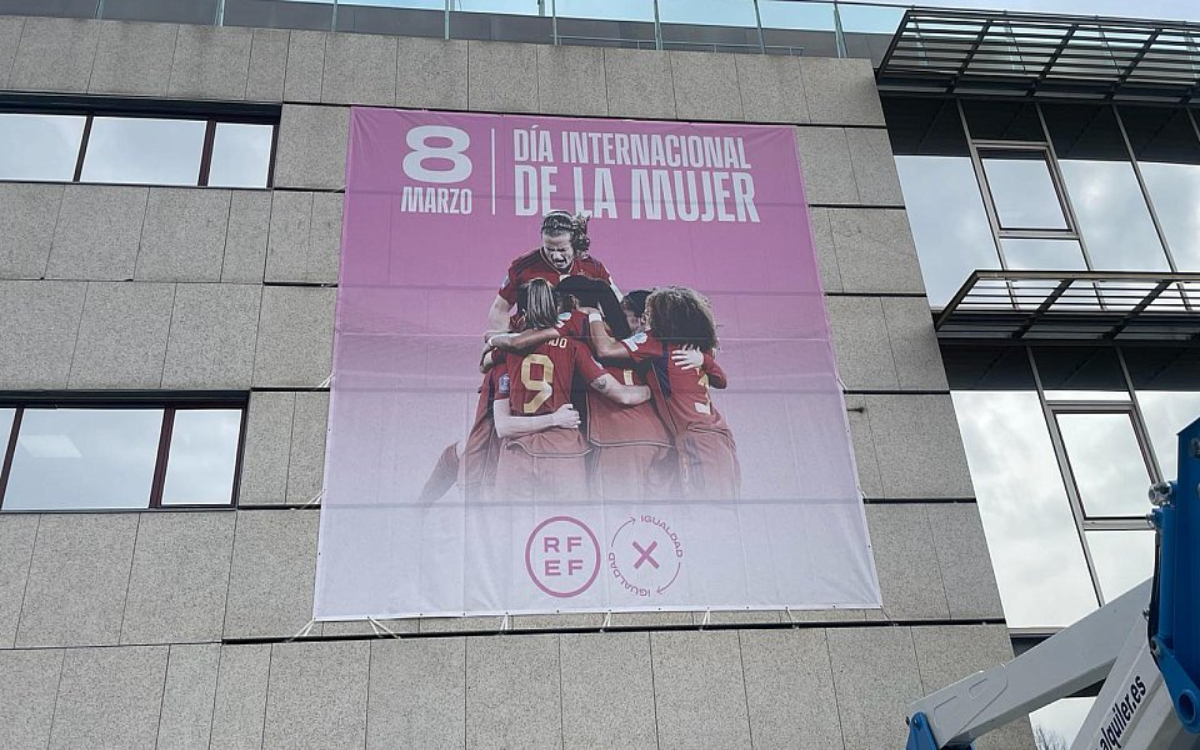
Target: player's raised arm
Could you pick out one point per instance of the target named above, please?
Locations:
(625, 395)
(603, 344)
(499, 314)
(523, 341)
(509, 426)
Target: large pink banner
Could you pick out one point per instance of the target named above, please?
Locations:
(582, 365)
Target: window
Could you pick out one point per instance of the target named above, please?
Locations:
(138, 148)
(1022, 189)
(1061, 450)
(81, 455)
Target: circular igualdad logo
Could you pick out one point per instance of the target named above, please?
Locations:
(645, 556)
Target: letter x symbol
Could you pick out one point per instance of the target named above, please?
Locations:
(645, 555)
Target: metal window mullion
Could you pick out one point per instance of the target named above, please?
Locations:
(163, 456)
(989, 204)
(762, 39)
(10, 450)
(658, 38)
(83, 144)
(1060, 185)
(1068, 479)
(1117, 523)
(1137, 171)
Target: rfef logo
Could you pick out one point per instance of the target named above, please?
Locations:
(562, 557)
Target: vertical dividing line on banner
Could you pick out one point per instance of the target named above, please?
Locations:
(493, 171)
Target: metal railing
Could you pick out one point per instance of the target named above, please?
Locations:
(776, 27)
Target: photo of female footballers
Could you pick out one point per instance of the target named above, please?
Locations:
(591, 395)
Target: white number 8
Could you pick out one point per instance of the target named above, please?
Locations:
(418, 140)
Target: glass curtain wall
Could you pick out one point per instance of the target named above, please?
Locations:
(1046, 186)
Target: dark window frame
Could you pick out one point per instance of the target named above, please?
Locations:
(211, 114)
(170, 406)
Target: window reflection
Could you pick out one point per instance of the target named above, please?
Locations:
(39, 147)
(1112, 212)
(949, 223)
(144, 151)
(241, 155)
(1107, 463)
(1035, 546)
(1165, 414)
(1060, 721)
(1003, 121)
(84, 459)
(1168, 153)
(200, 467)
(6, 420)
(1123, 559)
(1023, 190)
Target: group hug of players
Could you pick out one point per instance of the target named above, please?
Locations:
(590, 395)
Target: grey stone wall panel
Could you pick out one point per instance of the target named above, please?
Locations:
(240, 706)
(571, 81)
(860, 339)
(268, 65)
(317, 695)
(55, 54)
(28, 214)
(29, 682)
(826, 251)
(305, 66)
(180, 578)
(274, 569)
(17, 534)
(188, 694)
(502, 77)
(306, 461)
(37, 341)
(875, 677)
(914, 343)
(639, 84)
(134, 58)
(874, 167)
(772, 88)
(789, 683)
(123, 335)
(910, 576)
(607, 690)
(417, 693)
(841, 91)
(359, 69)
(211, 63)
(183, 238)
(212, 336)
(295, 337)
(78, 579)
(706, 86)
(431, 74)
(699, 689)
(918, 446)
(109, 697)
(98, 233)
(513, 693)
(246, 237)
(10, 40)
(875, 251)
(825, 165)
(268, 448)
(305, 238)
(966, 566)
(869, 480)
(312, 147)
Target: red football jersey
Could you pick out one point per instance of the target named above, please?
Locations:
(533, 266)
(611, 424)
(540, 382)
(681, 395)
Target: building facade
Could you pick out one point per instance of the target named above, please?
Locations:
(168, 271)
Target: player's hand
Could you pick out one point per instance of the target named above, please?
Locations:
(567, 417)
(488, 335)
(502, 341)
(688, 357)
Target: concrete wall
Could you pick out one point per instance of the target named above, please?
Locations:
(127, 629)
